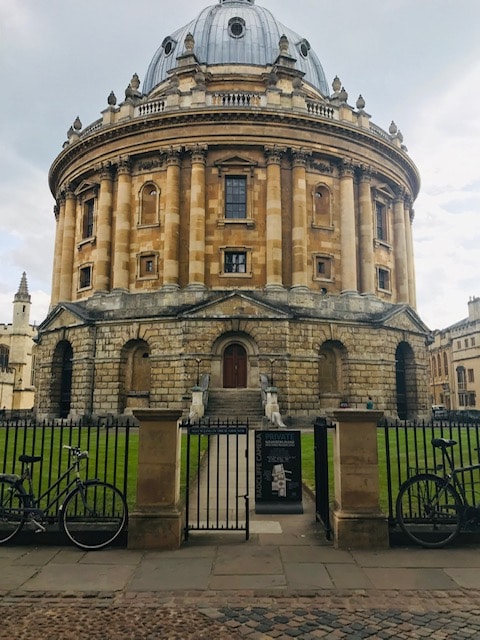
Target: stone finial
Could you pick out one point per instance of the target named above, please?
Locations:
(400, 135)
(336, 84)
(284, 45)
(77, 125)
(343, 95)
(361, 103)
(393, 129)
(112, 99)
(135, 82)
(70, 132)
(189, 43)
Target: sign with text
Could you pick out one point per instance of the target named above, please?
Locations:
(278, 472)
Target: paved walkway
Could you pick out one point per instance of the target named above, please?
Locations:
(286, 582)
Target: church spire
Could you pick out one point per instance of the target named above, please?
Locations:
(22, 294)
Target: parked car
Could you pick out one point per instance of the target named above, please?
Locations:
(439, 411)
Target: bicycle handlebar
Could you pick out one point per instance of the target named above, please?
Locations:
(76, 451)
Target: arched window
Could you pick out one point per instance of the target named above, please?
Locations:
(445, 363)
(434, 367)
(322, 201)
(4, 353)
(135, 374)
(439, 364)
(149, 204)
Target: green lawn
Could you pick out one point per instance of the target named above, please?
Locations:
(113, 455)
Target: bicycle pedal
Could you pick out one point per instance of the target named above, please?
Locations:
(39, 528)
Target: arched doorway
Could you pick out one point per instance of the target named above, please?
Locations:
(235, 367)
(405, 381)
(62, 373)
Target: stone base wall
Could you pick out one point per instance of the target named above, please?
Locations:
(287, 347)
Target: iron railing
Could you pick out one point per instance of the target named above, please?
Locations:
(408, 450)
(112, 448)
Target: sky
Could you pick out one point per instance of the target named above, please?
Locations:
(416, 62)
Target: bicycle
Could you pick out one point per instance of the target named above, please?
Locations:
(432, 509)
(92, 515)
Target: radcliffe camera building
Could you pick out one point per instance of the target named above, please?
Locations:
(235, 215)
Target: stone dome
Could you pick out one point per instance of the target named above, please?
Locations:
(235, 32)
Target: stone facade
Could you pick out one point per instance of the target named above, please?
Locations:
(237, 215)
(455, 363)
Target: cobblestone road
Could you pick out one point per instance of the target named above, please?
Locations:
(351, 615)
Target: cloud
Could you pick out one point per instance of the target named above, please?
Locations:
(21, 26)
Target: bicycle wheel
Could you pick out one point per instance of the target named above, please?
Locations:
(429, 510)
(13, 502)
(93, 514)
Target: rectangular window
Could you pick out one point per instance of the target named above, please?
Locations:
(472, 342)
(235, 262)
(147, 266)
(323, 268)
(88, 214)
(384, 279)
(235, 197)
(381, 216)
(85, 277)
(471, 375)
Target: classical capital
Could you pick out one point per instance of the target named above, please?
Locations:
(347, 168)
(174, 156)
(300, 157)
(106, 170)
(274, 154)
(365, 173)
(199, 153)
(124, 165)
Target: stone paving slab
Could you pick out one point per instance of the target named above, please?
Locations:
(170, 574)
(78, 577)
(398, 578)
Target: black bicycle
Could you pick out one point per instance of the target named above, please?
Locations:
(92, 515)
(433, 509)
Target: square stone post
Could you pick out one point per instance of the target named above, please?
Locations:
(156, 522)
(357, 519)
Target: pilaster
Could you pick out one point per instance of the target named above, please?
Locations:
(196, 265)
(367, 268)
(400, 248)
(348, 228)
(172, 221)
(121, 267)
(299, 226)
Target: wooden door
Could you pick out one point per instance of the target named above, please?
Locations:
(235, 367)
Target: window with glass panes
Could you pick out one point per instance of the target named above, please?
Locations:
(235, 262)
(235, 197)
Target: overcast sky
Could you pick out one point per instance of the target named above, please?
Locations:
(416, 62)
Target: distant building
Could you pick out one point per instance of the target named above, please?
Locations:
(16, 358)
(235, 217)
(455, 363)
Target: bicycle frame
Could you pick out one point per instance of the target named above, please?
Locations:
(34, 502)
(452, 477)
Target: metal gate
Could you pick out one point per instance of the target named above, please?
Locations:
(217, 473)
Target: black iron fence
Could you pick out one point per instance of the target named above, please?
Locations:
(406, 449)
(112, 447)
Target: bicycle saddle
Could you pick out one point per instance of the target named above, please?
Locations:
(443, 443)
(29, 459)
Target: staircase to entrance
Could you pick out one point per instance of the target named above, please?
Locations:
(230, 404)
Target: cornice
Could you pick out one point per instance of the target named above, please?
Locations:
(163, 121)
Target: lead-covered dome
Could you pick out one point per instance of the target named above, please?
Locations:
(235, 32)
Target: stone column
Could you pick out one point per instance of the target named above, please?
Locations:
(357, 519)
(156, 521)
(274, 248)
(196, 264)
(367, 266)
(103, 262)
(299, 223)
(68, 247)
(57, 257)
(412, 292)
(121, 266)
(171, 248)
(347, 229)
(400, 249)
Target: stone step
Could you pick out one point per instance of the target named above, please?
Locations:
(235, 403)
